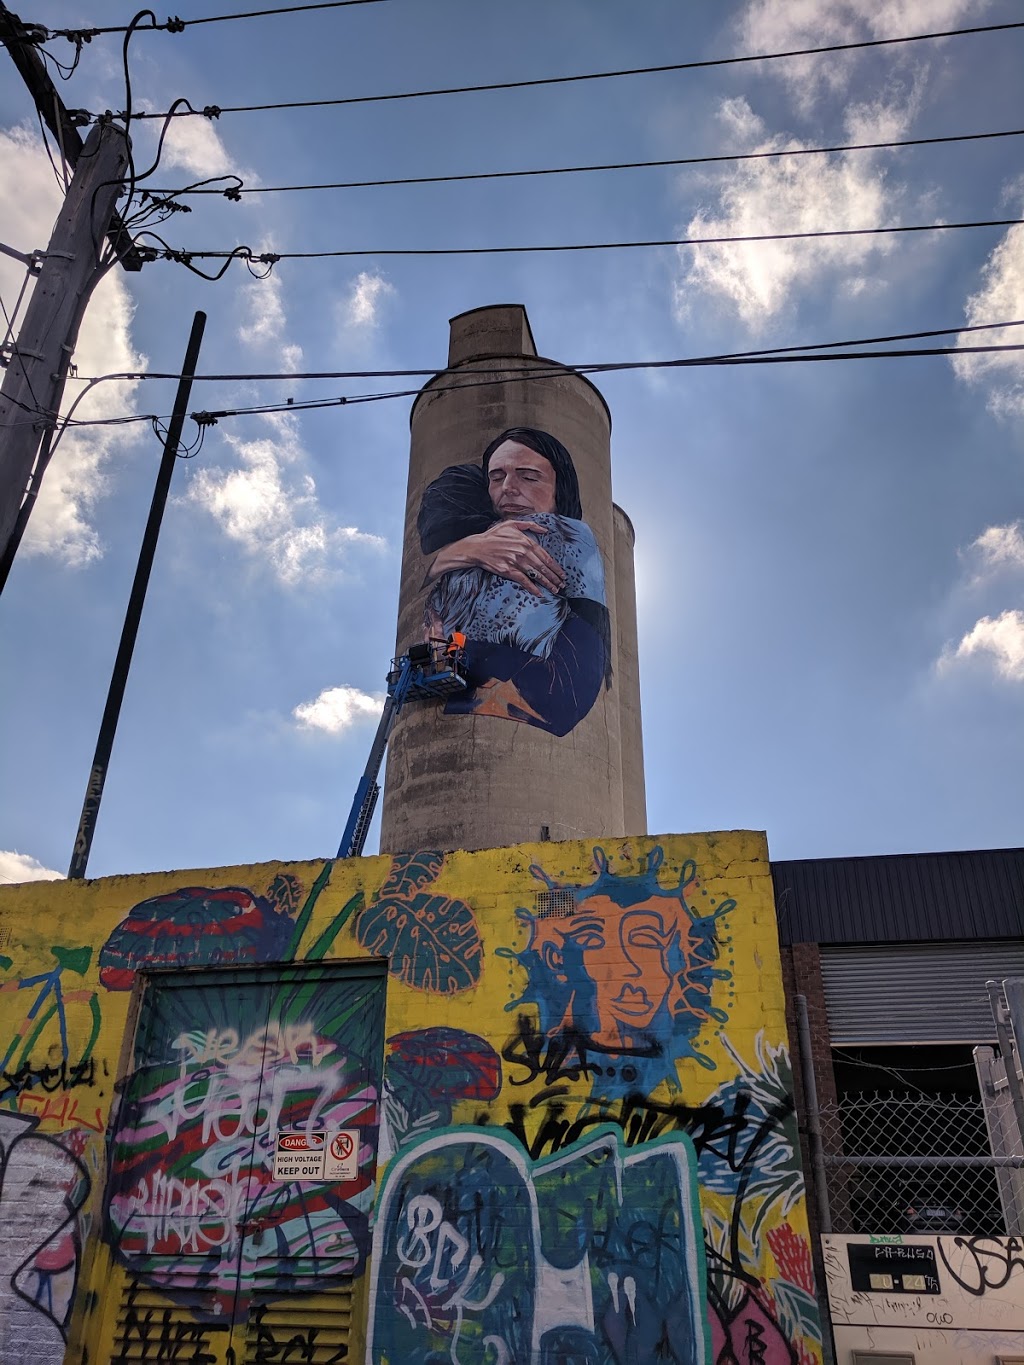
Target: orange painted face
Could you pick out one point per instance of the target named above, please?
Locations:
(624, 967)
(520, 481)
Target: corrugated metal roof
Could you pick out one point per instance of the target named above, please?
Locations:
(901, 897)
(915, 992)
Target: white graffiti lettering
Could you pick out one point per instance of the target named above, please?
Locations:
(230, 1105)
(425, 1219)
(265, 1047)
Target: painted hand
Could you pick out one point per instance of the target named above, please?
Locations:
(509, 550)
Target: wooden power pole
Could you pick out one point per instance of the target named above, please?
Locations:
(34, 381)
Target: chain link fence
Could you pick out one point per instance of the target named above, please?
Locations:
(910, 1164)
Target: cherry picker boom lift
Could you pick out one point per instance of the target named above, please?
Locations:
(428, 672)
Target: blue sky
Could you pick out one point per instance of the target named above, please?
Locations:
(830, 557)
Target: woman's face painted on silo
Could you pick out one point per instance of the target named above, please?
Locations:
(520, 481)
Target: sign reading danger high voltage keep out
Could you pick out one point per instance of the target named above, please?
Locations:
(332, 1155)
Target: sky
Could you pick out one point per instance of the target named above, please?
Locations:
(830, 556)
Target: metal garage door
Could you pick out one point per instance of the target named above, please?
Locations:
(915, 992)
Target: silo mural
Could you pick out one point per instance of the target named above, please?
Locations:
(512, 565)
(513, 541)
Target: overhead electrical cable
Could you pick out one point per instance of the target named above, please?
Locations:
(591, 367)
(235, 192)
(186, 255)
(695, 363)
(215, 110)
(698, 362)
(176, 25)
(782, 355)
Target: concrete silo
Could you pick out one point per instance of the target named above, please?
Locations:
(548, 743)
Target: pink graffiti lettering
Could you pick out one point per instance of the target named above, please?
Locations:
(188, 1216)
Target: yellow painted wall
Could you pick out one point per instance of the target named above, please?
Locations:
(579, 1028)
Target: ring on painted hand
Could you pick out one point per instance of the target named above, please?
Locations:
(531, 575)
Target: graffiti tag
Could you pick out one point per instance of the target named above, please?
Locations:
(64, 1075)
(299, 1348)
(158, 1335)
(591, 1254)
(979, 1264)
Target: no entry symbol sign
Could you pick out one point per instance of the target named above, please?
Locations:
(342, 1162)
(342, 1146)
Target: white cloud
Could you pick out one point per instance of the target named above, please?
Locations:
(266, 320)
(999, 299)
(194, 146)
(362, 305)
(768, 26)
(21, 867)
(264, 307)
(269, 506)
(268, 503)
(337, 709)
(999, 640)
(77, 477)
(998, 548)
(793, 194)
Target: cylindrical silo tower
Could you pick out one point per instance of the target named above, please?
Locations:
(511, 538)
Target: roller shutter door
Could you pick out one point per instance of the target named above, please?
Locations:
(915, 992)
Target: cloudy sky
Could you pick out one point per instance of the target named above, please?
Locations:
(830, 556)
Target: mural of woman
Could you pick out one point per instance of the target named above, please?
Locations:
(515, 568)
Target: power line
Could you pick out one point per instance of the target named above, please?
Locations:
(876, 1066)
(234, 192)
(592, 367)
(177, 25)
(696, 362)
(271, 258)
(215, 110)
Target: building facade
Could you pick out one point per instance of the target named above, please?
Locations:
(524, 1105)
(895, 969)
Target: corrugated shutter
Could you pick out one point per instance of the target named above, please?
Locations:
(312, 1328)
(915, 992)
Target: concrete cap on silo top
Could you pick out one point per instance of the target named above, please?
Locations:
(501, 329)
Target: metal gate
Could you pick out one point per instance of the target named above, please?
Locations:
(921, 1163)
(910, 1164)
(224, 1262)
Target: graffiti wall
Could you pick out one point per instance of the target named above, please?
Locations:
(558, 1072)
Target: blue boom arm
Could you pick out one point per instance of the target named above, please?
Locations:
(432, 675)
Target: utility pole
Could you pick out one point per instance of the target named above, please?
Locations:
(70, 269)
(133, 615)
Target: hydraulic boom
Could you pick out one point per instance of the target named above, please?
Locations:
(429, 672)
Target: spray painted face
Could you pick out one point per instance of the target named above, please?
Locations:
(520, 481)
(628, 970)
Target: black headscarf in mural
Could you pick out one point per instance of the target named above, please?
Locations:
(458, 503)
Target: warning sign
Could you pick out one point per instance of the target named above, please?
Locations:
(342, 1160)
(300, 1156)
